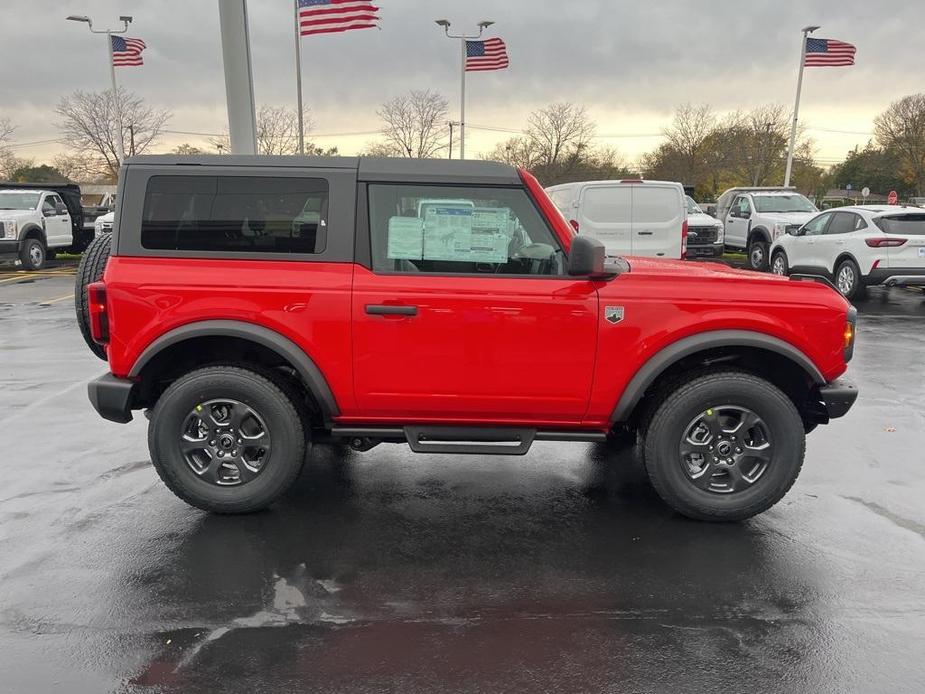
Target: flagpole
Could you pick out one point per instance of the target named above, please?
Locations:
(462, 100)
(796, 105)
(298, 76)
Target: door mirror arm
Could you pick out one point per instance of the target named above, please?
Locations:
(588, 258)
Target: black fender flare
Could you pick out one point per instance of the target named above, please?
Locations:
(757, 231)
(32, 230)
(283, 346)
(664, 358)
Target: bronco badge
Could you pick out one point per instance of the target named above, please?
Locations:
(613, 314)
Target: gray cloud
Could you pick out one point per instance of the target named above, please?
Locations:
(629, 62)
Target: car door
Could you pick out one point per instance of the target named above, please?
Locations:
(803, 253)
(658, 217)
(834, 239)
(737, 222)
(57, 225)
(464, 310)
(605, 212)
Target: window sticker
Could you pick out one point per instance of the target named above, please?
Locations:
(447, 232)
(406, 238)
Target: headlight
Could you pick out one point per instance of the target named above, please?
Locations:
(720, 233)
(779, 230)
(9, 229)
(98, 224)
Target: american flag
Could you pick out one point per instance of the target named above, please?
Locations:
(828, 53)
(490, 54)
(126, 51)
(332, 16)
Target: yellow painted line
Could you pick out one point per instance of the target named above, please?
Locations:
(55, 301)
(34, 276)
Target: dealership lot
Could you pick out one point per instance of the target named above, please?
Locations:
(559, 571)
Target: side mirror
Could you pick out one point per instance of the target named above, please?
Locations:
(796, 232)
(60, 208)
(588, 258)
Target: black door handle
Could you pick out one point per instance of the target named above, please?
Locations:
(380, 310)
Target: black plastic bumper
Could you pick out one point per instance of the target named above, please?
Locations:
(838, 397)
(112, 397)
(9, 247)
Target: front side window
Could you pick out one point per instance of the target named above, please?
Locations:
(48, 206)
(460, 230)
(816, 226)
(692, 207)
(243, 214)
(741, 207)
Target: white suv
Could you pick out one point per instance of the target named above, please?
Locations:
(857, 247)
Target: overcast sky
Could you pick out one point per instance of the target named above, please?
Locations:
(629, 62)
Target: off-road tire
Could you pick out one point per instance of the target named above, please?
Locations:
(734, 388)
(33, 254)
(254, 389)
(91, 268)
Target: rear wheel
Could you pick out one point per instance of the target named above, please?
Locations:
(758, 254)
(779, 264)
(724, 446)
(226, 439)
(33, 254)
(848, 279)
(91, 268)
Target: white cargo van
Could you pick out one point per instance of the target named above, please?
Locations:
(630, 217)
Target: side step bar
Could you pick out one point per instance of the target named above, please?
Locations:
(472, 440)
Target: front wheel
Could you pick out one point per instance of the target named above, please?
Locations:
(779, 264)
(724, 447)
(33, 254)
(226, 439)
(758, 255)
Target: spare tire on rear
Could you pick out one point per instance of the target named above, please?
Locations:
(91, 268)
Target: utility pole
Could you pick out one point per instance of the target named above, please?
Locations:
(796, 105)
(126, 20)
(298, 75)
(450, 153)
(462, 72)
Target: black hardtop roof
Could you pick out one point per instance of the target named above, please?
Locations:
(368, 168)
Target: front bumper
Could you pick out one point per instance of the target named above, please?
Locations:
(712, 250)
(838, 397)
(111, 397)
(9, 247)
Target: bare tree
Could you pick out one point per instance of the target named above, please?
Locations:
(688, 135)
(277, 132)
(414, 125)
(9, 162)
(90, 126)
(559, 132)
(901, 128)
(6, 130)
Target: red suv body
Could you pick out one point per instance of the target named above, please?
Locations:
(449, 305)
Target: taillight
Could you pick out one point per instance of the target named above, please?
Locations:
(574, 223)
(684, 240)
(885, 242)
(99, 317)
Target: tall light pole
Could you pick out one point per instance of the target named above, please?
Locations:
(462, 72)
(126, 20)
(796, 106)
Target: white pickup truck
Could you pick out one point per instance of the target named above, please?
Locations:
(754, 217)
(36, 223)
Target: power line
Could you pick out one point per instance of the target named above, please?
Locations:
(18, 145)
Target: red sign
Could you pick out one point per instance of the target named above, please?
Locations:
(892, 198)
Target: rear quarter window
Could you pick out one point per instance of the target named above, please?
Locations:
(907, 224)
(243, 214)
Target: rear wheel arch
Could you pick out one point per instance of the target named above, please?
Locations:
(220, 341)
(847, 255)
(778, 361)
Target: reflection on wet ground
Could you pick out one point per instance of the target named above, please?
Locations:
(559, 571)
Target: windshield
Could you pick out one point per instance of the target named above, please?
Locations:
(692, 207)
(16, 200)
(907, 224)
(783, 203)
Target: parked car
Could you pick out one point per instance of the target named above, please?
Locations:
(754, 217)
(103, 223)
(857, 247)
(449, 306)
(630, 217)
(704, 233)
(39, 221)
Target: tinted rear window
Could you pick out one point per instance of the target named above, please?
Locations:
(608, 205)
(654, 205)
(908, 224)
(243, 214)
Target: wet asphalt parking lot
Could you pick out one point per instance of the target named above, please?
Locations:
(560, 571)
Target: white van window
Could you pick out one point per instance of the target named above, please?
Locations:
(654, 205)
(608, 205)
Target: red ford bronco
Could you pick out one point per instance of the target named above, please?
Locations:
(253, 305)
